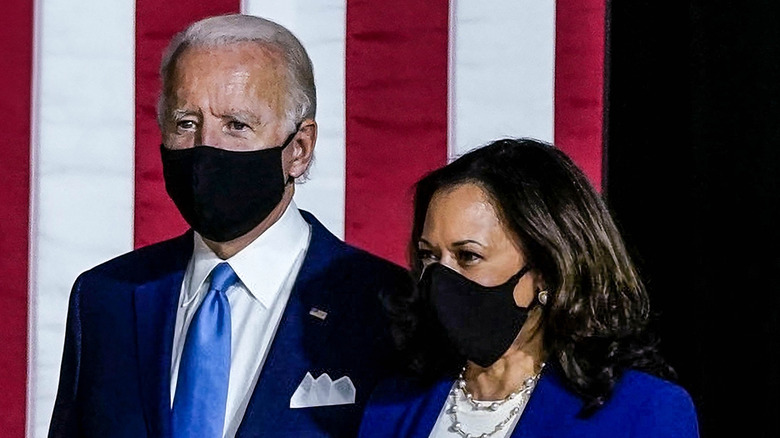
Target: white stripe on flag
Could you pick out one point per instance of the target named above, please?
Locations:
(321, 27)
(83, 170)
(502, 64)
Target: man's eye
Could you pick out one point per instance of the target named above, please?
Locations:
(185, 124)
(237, 126)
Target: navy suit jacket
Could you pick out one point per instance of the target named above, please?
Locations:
(116, 368)
(642, 406)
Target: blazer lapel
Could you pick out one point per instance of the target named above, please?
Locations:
(284, 367)
(421, 419)
(550, 399)
(289, 355)
(155, 315)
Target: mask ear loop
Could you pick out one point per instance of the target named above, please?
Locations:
(290, 137)
(424, 268)
(515, 278)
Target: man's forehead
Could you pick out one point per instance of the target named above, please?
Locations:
(227, 81)
(237, 50)
(238, 61)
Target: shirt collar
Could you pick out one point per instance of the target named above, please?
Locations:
(263, 265)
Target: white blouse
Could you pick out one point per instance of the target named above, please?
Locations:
(476, 421)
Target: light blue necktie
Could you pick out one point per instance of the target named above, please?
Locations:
(204, 371)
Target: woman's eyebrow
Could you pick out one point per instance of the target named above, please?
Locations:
(423, 241)
(466, 242)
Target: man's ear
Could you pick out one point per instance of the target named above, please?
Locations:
(302, 148)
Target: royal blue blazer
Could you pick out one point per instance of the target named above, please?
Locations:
(115, 374)
(642, 406)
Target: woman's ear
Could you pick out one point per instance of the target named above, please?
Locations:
(526, 288)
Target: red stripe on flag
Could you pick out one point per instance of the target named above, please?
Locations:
(16, 45)
(396, 110)
(579, 83)
(156, 217)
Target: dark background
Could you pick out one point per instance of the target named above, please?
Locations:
(692, 173)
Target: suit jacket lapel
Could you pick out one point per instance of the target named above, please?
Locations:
(155, 304)
(421, 418)
(549, 399)
(287, 361)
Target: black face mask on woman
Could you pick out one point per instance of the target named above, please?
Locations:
(224, 194)
(480, 321)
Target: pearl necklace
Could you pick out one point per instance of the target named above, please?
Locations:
(520, 396)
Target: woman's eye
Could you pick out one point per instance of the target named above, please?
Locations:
(466, 257)
(426, 256)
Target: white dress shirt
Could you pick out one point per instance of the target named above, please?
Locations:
(267, 269)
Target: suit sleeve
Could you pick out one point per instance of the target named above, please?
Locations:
(64, 420)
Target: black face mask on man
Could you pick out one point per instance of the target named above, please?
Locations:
(480, 321)
(224, 194)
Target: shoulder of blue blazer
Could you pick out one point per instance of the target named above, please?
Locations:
(146, 264)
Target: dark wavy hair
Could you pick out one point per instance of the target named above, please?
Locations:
(596, 322)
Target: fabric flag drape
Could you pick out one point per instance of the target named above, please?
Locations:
(403, 88)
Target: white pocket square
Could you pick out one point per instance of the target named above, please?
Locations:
(323, 391)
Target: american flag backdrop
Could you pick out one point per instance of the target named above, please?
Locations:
(403, 87)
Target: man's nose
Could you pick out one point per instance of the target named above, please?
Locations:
(209, 133)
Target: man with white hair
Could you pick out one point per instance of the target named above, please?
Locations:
(257, 321)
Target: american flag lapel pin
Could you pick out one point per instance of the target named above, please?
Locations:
(318, 313)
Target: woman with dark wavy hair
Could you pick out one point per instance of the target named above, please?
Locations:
(529, 318)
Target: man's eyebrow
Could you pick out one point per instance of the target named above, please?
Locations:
(179, 113)
(246, 116)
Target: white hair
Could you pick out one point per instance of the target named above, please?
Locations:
(224, 30)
